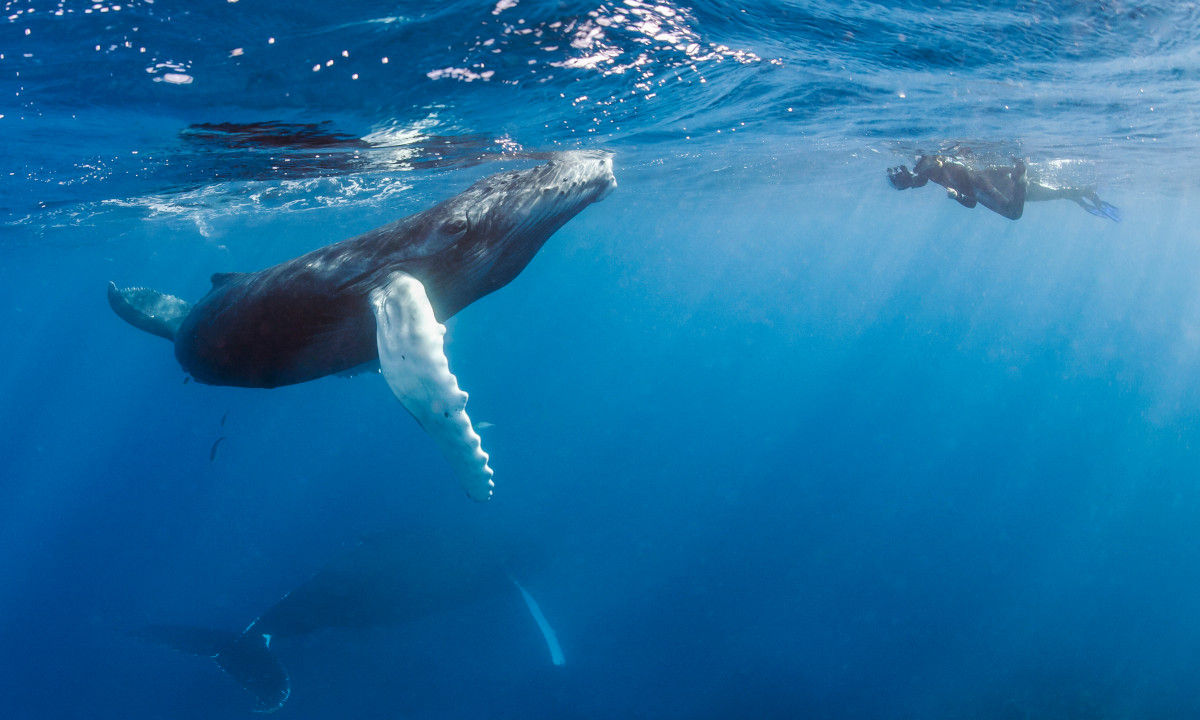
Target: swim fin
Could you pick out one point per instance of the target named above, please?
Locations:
(1112, 212)
(1099, 208)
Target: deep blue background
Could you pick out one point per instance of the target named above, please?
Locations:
(770, 438)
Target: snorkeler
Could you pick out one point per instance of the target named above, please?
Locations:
(1003, 189)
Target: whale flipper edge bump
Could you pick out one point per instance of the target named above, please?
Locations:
(413, 359)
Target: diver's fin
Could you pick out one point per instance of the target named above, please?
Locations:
(413, 361)
(145, 309)
(556, 653)
(245, 658)
(1099, 208)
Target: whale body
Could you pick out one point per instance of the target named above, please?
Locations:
(380, 296)
(385, 579)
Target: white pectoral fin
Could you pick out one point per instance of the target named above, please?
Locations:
(413, 361)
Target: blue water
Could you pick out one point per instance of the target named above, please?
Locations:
(771, 439)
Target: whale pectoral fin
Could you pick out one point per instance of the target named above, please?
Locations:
(413, 361)
(149, 310)
(548, 634)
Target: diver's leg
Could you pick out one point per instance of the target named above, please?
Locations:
(1016, 205)
(1002, 190)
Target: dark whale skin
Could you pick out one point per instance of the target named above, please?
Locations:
(311, 316)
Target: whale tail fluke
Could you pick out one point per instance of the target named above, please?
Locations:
(251, 663)
(246, 658)
(149, 310)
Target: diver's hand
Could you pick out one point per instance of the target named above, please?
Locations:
(961, 197)
(901, 177)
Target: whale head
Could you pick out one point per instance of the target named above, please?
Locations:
(489, 232)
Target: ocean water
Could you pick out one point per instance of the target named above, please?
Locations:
(771, 439)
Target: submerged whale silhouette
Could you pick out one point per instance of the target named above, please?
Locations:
(380, 296)
(377, 582)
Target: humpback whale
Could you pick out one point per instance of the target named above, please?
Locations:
(379, 581)
(379, 297)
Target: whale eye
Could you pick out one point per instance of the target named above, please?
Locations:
(455, 226)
